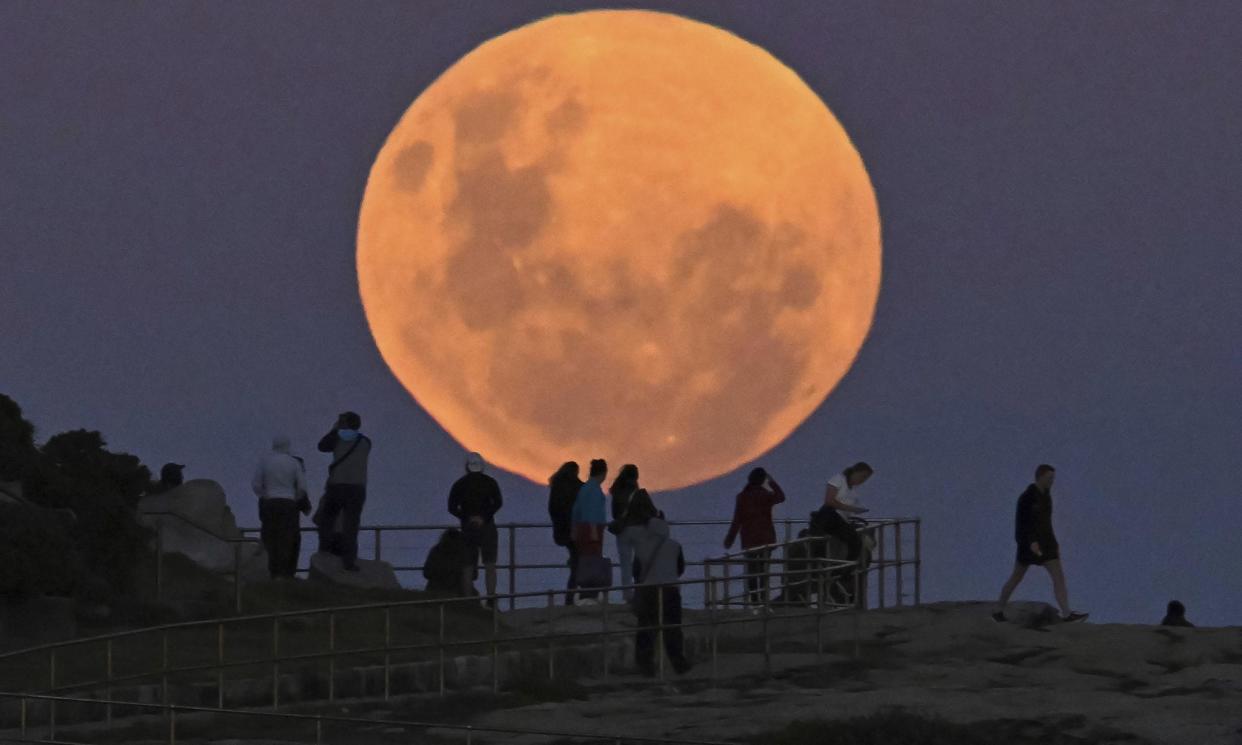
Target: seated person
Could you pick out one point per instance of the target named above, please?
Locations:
(446, 562)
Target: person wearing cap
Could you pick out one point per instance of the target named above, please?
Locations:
(346, 491)
(475, 499)
(280, 484)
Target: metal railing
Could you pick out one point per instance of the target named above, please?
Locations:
(236, 543)
(390, 653)
(888, 562)
(172, 714)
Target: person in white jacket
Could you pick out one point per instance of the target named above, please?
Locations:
(658, 564)
(280, 483)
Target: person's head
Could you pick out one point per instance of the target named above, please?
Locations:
(757, 477)
(627, 479)
(475, 463)
(599, 469)
(857, 474)
(1176, 609)
(1044, 476)
(280, 443)
(450, 535)
(171, 474)
(568, 470)
(642, 508)
(349, 420)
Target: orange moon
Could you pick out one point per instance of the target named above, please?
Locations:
(619, 234)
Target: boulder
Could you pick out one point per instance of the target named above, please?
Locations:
(195, 520)
(11, 492)
(371, 575)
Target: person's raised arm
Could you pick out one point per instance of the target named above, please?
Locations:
(778, 496)
(327, 443)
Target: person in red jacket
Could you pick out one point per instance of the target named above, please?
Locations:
(752, 517)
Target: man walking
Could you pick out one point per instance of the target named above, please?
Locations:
(474, 500)
(346, 491)
(280, 483)
(1037, 544)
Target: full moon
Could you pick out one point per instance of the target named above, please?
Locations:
(619, 234)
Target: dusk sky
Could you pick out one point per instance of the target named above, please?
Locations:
(1060, 192)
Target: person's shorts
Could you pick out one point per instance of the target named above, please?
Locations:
(1047, 553)
(482, 542)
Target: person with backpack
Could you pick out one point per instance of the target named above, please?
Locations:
(562, 491)
(752, 517)
(446, 562)
(622, 491)
(1037, 545)
(658, 564)
(346, 490)
(474, 499)
(589, 516)
(280, 483)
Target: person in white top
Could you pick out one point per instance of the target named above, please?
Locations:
(840, 496)
(280, 483)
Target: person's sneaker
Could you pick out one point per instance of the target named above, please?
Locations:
(999, 617)
(1074, 616)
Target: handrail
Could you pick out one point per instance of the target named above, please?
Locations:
(210, 533)
(319, 719)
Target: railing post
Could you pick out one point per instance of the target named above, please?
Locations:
(727, 565)
(23, 718)
(900, 568)
(551, 637)
(379, 543)
(495, 648)
(880, 564)
(172, 726)
(440, 645)
(387, 654)
(512, 566)
(332, 657)
(918, 561)
(237, 577)
(855, 613)
(164, 668)
(711, 592)
(318, 729)
(659, 638)
(707, 583)
(767, 645)
(220, 665)
(819, 621)
(275, 664)
(605, 636)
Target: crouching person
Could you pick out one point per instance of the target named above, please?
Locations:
(447, 561)
(658, 563)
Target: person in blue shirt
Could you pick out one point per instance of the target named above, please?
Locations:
(589, 518)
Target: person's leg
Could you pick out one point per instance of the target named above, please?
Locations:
(572, 584)
(1011, 584)
(329, 542)
(1059, 590)
(490, 549)
(644, 641)
(351, 508)
(674, 639)
(625, 555)
(267, 534)
(295, 543)
(285, 512)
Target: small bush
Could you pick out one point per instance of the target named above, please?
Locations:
(37, 552)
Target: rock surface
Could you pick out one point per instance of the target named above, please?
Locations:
(375, 575)
(202, 527)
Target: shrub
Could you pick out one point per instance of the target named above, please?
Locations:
(37, 552)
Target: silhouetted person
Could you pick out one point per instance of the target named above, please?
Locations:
(622, 492)
(1037, 544)
(474, 500)
(1176, 615)
(280, 483)
(447, 560)
(841, 495)
(346, 491)
(589, 516)
(171, 476)
(798, 577)
(658, 564)
(752, 517)
(562, 491)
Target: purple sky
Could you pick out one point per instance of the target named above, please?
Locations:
(1060, 186)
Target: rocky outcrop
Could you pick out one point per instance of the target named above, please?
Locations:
(371, 575)
(194, 519)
